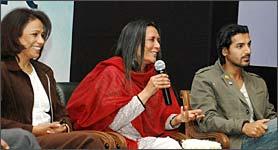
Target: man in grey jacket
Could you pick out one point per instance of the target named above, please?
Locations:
(234, 101)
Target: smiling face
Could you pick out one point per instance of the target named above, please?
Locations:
(152, 45)
(238, 53)
(32, 39)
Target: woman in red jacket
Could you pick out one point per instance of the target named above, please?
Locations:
(123, 93)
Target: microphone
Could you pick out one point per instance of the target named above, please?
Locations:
(160, 68)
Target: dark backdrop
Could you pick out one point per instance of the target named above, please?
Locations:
(187, 39)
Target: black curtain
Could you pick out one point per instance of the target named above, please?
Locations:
(188, 35)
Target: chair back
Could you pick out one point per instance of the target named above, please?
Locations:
(189, 126)
(64, 90)
(185, 96)
(192, 131)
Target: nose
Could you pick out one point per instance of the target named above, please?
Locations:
(40, 39)
(248, 50)
(157, 44)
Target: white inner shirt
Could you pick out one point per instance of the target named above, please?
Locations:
(244, 92)
(41, 101)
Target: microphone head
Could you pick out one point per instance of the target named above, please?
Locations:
(159, 65)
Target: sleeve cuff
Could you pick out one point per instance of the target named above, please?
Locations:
(140, 101)
(168, 125)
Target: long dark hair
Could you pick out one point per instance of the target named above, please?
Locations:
(12, 27)
(131, 39)
(224, 38)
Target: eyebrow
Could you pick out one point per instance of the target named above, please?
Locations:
(243, 42)
(153, 36)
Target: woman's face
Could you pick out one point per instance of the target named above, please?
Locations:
(32, 39)
(152, 45)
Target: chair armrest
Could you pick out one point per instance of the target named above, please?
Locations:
(178, 136)
(119, 139)
(193, 132)
(107, 139)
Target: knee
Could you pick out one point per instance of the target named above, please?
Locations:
(23, 135)
(20, 133)
(19, 138)
(87, 140)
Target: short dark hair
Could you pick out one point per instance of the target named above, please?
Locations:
(224, 38)
(12, 27)
(132, 38)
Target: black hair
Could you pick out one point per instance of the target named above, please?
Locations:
(224, 38)
(131, 39)
(12, 27)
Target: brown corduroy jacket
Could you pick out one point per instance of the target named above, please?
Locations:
(17, 97)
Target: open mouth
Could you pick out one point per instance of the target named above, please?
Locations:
(36, 48)
(154, 54)
(246, 59)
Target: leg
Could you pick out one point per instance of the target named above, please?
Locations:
(267, 141)
(19, 139)
(72, 140)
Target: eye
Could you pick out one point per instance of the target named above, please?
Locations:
(34, 34)
(249, 44)
(239, 46)
(158, 40)
(43, 35)
(151, 39)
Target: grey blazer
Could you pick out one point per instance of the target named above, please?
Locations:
(224, 105)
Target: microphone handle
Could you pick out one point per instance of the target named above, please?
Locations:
(167, 97)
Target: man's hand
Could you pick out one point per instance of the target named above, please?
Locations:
(255, 129)
(4, 145)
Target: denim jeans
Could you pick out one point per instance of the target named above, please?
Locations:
(18, 138)
(267, 141)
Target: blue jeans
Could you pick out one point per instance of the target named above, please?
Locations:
(18, 138)
(267, 141)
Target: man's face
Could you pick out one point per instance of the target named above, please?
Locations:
(238, 54)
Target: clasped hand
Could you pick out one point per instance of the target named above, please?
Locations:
(49, 128)
(255, 129)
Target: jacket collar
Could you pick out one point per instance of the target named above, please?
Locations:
(232, 85)
(12, 65)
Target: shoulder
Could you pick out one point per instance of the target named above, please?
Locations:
(103, 70)
(111, 66)
(253, 75)
(3, 65)
(204, 70)
(208, 72)
(255, 78)
(112, 71)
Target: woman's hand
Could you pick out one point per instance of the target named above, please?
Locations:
(187, 115)
(155, 83)
(49, 128)
(62, 128)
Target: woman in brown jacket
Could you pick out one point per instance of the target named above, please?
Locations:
(28, 87)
